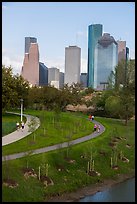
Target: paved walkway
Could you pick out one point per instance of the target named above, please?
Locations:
(57, 146)
(19, 134)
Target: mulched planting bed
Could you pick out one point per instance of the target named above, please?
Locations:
(46, 180)
(10, 183)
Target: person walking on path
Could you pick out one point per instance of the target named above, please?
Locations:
(22, 125)
(17, 125)
(98, 128)
(95, 127)
(92, 117)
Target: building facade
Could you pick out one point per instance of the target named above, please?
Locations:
(30, 69)
(72, 65)
(127, 53)
(28, 41)
(35, 72)
(83, 79)
(121, 50)
(61, 80)
(53, 77)
(106, 58)
(94, 33)
(43, 74)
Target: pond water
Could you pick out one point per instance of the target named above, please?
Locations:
(122, 192)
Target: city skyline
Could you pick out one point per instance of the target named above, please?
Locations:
(57, 25)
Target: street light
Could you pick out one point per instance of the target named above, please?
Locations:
(21, 100)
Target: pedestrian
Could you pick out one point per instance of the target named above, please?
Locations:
(92, 117)
(17, 125)
(98, 128)
(22, 125)
(95, 127)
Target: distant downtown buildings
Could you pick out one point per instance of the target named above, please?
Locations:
(104, 53)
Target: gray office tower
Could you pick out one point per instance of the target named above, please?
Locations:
(61, 80)
(53, 77)
(28, 41)
(72, 65)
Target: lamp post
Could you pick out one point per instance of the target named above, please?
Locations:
(21, 108)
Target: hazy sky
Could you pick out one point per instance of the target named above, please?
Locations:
(57, 25)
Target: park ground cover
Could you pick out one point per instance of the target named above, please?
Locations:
(66, 176)
(54, 128)
(9, 123)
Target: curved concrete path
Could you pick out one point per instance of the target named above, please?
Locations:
(56, 146)
(19, 134)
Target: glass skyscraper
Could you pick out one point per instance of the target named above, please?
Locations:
(106, 58)
(94, 33)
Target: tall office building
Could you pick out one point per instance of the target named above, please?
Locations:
(43, 74)
(28, 41)
(30, 69)
(61, 79)
(106, 58)
(72, 65)
(35, 72)
(94, 33)
(83, 79)
(53, 77)
(121, 50)
(127, 53)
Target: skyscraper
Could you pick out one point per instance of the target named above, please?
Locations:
(28, 41)
(43, 74)
(30, 69)
(121, 50)
(83, 79)
(94, 33)
(106, 58)
(72, 65)
(53, 77)
(61, 79)
(127, 53)
(35, 72)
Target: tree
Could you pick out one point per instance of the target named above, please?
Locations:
(35, 96)
(9, 95)
(14, 87)
(120, 74)
(113, 105)
(22, 89)
(123, 104)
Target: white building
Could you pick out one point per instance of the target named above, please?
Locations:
(72, 65)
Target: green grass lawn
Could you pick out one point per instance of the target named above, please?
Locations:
(53, 129)
(74, 174)
(9, 123)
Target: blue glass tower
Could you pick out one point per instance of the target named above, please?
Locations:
(106, 59)
(94, 33)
